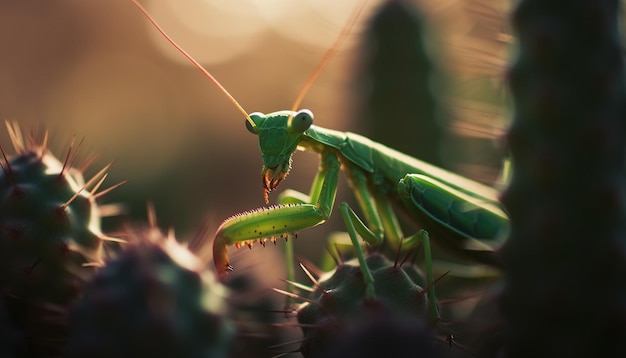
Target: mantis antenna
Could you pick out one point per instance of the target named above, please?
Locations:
(326, 59)
(194, 62)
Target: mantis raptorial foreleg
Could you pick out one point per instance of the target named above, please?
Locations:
(282, 220)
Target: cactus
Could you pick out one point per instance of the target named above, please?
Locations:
(564, 260)
(153, 300)
(8, 335)
(337, 306)
(254, 309)
(50, 234)
(399, 107)
(380, 335)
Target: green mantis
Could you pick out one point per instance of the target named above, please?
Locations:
(458, 213)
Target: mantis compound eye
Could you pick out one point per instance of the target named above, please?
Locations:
(255, 118)
(302, 120)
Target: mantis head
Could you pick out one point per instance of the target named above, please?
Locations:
(279, 134)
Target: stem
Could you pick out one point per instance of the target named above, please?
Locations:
(565, 258)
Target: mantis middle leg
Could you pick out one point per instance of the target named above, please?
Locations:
(381, 217)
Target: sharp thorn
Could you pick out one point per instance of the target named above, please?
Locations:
(310, 276)
(294, 295)
(16, 136)
(88, 184)
(8, 171)
(67, 156)
(108, 190)
(310, 266)
(97, 186)
(113, 239)
(299, 285)
(151, 215)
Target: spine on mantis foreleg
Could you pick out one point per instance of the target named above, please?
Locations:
(399, 108)
(564, 260)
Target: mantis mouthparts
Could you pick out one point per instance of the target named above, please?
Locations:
(271, 178)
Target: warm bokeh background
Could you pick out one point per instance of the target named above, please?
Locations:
(97, 69)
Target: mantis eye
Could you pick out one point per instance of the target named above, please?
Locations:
(302, 120)
(255, 118)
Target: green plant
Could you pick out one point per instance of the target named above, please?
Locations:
(154, 299)
(566, 197)
(564, 263)
(8, 335)
(397, 83)
(50, 240)
(339, 302)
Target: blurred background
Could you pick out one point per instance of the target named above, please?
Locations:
(97, 70)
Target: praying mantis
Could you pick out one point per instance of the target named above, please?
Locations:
(460, 214)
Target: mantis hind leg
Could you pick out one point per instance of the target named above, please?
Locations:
(470, 227)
